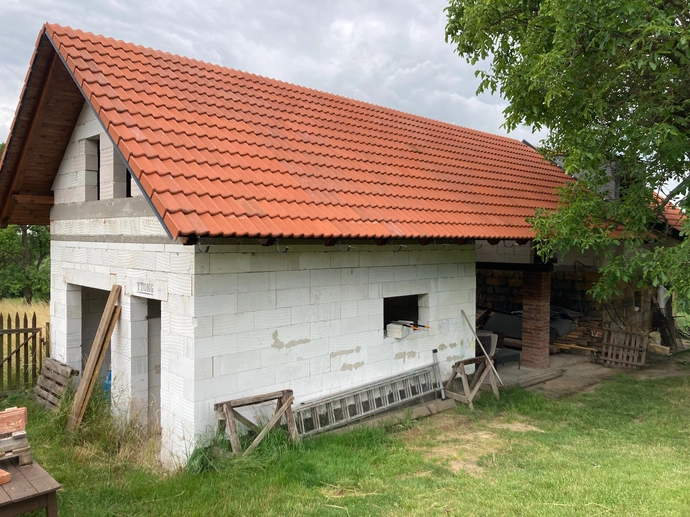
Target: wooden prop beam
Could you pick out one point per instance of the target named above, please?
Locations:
(95, 360)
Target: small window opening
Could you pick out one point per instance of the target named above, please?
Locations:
(98, 170)
(128, 184)
(405, 308)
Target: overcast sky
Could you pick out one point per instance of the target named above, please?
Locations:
(390, 53)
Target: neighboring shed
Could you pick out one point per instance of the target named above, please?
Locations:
(186, 182)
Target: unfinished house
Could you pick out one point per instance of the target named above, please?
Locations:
(264, 234)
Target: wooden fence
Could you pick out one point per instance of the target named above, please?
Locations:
(23, 347)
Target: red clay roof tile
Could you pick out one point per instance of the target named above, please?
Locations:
(223, 152)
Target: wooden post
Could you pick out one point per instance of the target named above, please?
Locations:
(2, 354)
(25, 366)
(34, 377)
(18, 340)
(292, 426)
(47, 344)
(231, 426)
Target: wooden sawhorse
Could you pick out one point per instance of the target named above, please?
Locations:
(470, 389)
(227, 414)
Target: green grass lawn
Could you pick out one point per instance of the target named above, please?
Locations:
(622, 450)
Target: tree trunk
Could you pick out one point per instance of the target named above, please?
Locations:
(28, 291)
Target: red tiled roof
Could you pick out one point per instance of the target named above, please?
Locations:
(673, 215)
(223, 152)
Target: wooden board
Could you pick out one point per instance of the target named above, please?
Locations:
(100, 344)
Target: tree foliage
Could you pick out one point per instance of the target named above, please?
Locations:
(25, 262)
(609, 81)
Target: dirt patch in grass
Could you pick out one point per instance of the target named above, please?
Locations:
(453, 441)
(518, 427)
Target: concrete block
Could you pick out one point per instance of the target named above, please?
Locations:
(370, 339)
(381, 274)
(268, 261)
(292, 279)
(354, 325)
(215, 305)
(203, 368)
(229, 262)
(384, 257)
(256, 380)
(256, 301)
(342, 345)
(293, 297)
(317, 260)
(354, 276)
(182, 262)
(325, 277)
(319, 365)
(369, 307)
(215, 346)
(180, 284)
(405, 273)
(224, 324)
(311, 313)
(203, 327)
(239, 362)
(272, 319)
(354, 292)
(348, 309)
(255, 340)
(447, 270)
(289, 372)
(349, 259)
(375, 291)
(392, 289)
(309, 350)
(325, 329)
(252, 282)
(215, 284)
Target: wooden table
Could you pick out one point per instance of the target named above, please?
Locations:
(31, 489)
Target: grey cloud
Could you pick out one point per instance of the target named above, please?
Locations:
(388, 53)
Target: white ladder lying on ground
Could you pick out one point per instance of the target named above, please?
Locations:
(349, 406)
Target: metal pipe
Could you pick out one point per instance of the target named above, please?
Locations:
(438, 373)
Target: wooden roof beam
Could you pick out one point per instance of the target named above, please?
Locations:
(32, 139)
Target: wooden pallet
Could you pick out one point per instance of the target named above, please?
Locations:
(53, 382)
(624, 348)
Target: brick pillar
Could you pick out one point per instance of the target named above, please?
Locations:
(536, 307)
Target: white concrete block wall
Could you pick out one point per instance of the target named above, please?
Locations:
(99, 265)
(312, 320)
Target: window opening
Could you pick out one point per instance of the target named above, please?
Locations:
(98, 169)
(128, 184)
(401, 308)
